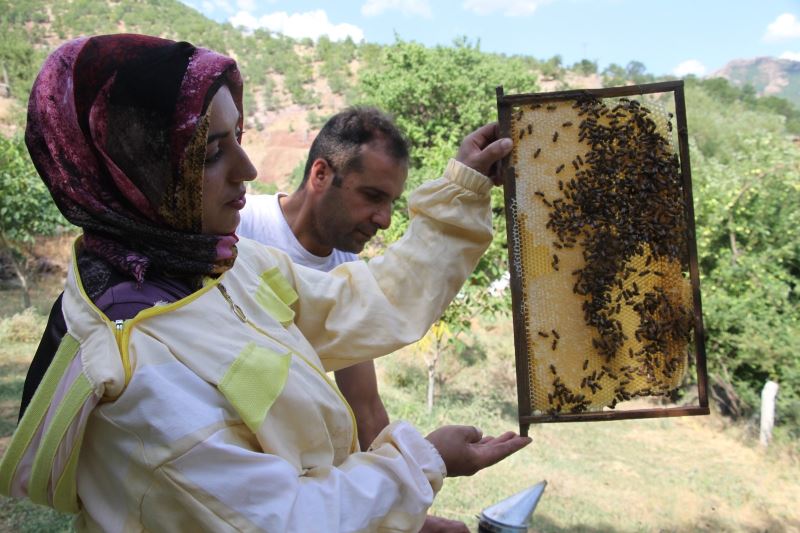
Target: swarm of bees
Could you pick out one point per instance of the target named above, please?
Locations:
(614, 218)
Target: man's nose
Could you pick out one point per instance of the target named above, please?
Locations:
(382, 217)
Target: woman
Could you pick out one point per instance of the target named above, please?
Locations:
(188, 391)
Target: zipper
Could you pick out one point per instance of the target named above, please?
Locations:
(235, 308)
(119, 325)
(243, 318)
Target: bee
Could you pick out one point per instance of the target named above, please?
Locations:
(555, 343)
(555, 136)
(551, 107)
(560, 168)
(530, 129)
(537, 152)
(553, 370)
(566, 124)
(543, 334)
(555, 334)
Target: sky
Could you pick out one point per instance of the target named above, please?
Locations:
(670, 37)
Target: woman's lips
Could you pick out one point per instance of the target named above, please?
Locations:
(238, 203)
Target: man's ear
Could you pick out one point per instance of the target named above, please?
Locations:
(320, 175)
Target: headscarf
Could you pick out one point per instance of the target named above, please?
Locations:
(117, 128)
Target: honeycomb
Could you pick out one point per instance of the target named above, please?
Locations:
(600, 249)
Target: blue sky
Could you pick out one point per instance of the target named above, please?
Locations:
(671, 37)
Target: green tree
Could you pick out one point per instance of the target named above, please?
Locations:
(614, 76)
(746, 187)
(26, 209)
(585, 67)
(438, 96)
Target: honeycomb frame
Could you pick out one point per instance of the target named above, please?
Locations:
(602, 253)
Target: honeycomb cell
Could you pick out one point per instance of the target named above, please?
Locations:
(600, 250)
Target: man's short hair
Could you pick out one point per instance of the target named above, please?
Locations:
(340, 140)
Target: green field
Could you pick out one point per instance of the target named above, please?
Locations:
(678, 474)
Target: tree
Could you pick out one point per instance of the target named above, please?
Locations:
(637, 72)
(751, 260)
(438, 96)
(26, 209)
(585, 67)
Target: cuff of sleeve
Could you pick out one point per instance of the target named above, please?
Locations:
(467, 177)
(411, 443)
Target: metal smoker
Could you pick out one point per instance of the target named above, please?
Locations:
(513, 514)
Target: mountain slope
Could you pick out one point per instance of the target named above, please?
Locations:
(767, 75)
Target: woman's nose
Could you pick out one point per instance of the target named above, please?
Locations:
(244, 170)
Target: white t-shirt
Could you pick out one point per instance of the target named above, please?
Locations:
(263, 221)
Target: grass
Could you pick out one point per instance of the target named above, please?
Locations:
(665, 475)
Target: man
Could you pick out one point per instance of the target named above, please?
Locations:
(356, 169)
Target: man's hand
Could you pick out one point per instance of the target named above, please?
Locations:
(482, 149)
(437, 524)
(465, 450)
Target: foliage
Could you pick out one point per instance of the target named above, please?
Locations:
(26, 326)
(585, 67)
(614, 75)
(722, 92)
(438, 96)
(26, 209)
(634, 72)
(751, 255)
(261, 187)
(552, 67)
(747, 186)
(335, 58)
(744, 167)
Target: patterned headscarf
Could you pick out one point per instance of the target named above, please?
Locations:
(117, 128)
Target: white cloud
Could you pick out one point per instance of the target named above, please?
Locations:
(311, 24)
(223, 5)
(691, 66)
(372, 8)
(786, 26)
(509, 8)
(793, 56)
(246, 5)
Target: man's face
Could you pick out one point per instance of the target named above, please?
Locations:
(351, 212)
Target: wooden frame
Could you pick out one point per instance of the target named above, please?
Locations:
(506, 104)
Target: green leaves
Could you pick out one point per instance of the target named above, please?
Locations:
(26, 209)
(746, 174)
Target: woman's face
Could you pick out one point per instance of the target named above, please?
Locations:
(226, 168)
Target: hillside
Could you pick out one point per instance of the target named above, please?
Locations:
(286, 91)
(767, 75)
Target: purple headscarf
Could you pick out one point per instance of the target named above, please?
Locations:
(117, 129)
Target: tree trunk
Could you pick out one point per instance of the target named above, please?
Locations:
(23, 281)
(437, 350)
(431, 383)
(768, 394)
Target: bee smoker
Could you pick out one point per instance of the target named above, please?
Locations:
(513, 514)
